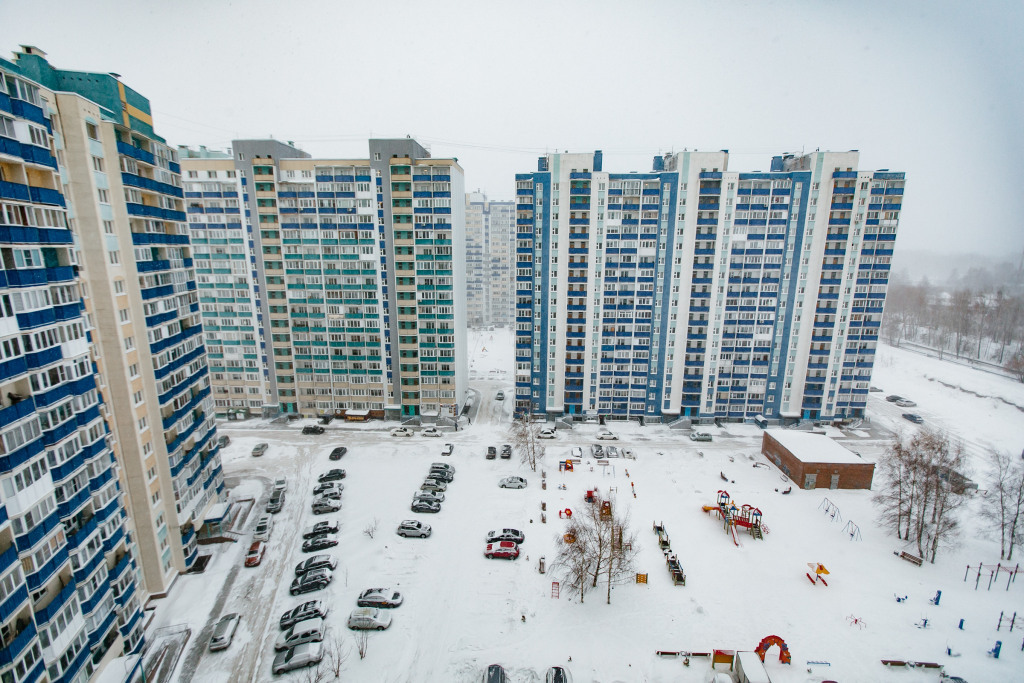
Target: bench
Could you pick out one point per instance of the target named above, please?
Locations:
(912, 559)
(893, 662)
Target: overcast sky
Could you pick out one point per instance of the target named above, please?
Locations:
(931, 88)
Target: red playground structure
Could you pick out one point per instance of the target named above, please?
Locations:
(747, 516)
(784, 655)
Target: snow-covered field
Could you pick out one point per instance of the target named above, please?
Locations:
(463, 612)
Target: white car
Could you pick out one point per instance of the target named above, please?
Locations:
(434, 485)
(280, 485)
(411, 527)
(512, 483)
(577, 452)
(369, 618)
(546, 433)
(431, 431)
(401, 431)
(298, 657)
(379, 597)
(612, 452)
(606, 435)
(432, 496)
(264, 525)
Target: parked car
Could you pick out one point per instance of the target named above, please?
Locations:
(495, 674)
(259, 449)
(255, 554)
(319, 543)
(448, 449)
(442, 466)
(264, 525)
(431, 431)
(307, 654)
(576, 452)
(331, 475)
(514, 535)
(512, 483)
(424, 506)
(432, 496)
(506, 452)
(892, 398)
(307, 610)
(906, 403)
(280, 485)
(433, 485)
(311, 581)
(413, 528)
(700, 436)
(913, 417)
(500, 396)
(492, 452)
(312, 429)
(502, 550)
(546, 433)
(605, 434)
(401, 431)
(379, 597)
(627, 453)
(337, 453)
(611, 452)
(223, 440)
(329, 490)
(306, 631)
(320, 528)
(369, 618)
(316, 562)
(322, 506)
(558, 674)
(441, 475)
(276, 502)
(224, 632)
(597, 449)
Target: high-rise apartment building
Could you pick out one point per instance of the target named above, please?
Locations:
(353, 267)
(127, 209)
(490, 240)
(697, 291)
(69, 594)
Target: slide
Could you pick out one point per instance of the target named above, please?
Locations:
(732, 529)
(709, 508)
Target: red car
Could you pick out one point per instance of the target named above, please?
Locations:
(504, 549)
(255, 554)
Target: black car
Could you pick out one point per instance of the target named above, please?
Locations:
(893, 398)
(338, 452)
(506, 452)
(312, 429)
(311, 581)
(307, 610)
(913, 417)
(321, 528)
(492, 452)
(319, 543)
(331, 475)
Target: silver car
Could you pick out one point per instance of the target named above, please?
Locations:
(432, 496)
(259, 449)
(307, 654)
(224, 631)
(434, 485)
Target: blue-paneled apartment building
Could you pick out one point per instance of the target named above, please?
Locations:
(698, 292)
(107, 454)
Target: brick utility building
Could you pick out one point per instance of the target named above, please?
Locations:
(815, 461)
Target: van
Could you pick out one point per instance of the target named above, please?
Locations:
(308, 631)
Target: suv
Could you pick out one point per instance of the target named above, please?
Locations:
(322, 506)
(514, 535)
(502, 549)
(264, 525)
(700, 436)
(315, 562)
(411, 527)
(297, 657)
(259, 449)
(276, 502)
(320, 528)
(442, 466)
(330, 489)
(331, 475)
(307, 610)
(338, 452)
(314, 580)
(223, 632)
(441, 475)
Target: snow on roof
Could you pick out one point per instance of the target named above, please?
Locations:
(216, 513)
(753, 667)
(813, 447)
(357, 413)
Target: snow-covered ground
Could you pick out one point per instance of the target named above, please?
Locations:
(463, 612)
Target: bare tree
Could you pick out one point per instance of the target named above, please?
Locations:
(524, 436)
(316, 674)
(1008, 484)
(362, 643)
(1016, 365)
(575, 556)
(337, 653)
(371, 528)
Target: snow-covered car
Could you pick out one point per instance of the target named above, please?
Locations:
(442, 466)
(492, 452)
(433, 485)
(322, 506)
(576, 452)
(320, 528)
(337, 453)
(546, 433)
(506, 452)
(280, 485)
(331, 475)
(431, 496)
(264, 525)
(611, 452)
(700, 436)
(328, 491)
(379, 597)
(413, 528)
(307, 631)
(316, 562)
(259, 449)
(276, 502)
(913, 417)
(597, 450)
(514, 535)
(502, 550)
(311, 581)
(255, 555)
(319, 543)
(447, 476)
(307, 610)
(606, 435)
(402, 431)
(369, 618)
(425, 506)
(500, 396)
(558, 674)
(307, 654)
(448, 449)
(512, 483)
(224, 631)
(906, 403)
(628, 453)
(431, 431)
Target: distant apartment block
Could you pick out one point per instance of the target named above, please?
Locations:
(490, 241)
(701, 292)
(351, 269)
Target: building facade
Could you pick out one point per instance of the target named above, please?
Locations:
(70, 597)
(123, 185)
(700, 292)
(354, 268)
(490, 241)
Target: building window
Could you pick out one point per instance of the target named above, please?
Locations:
(103, 195)
(92, 131)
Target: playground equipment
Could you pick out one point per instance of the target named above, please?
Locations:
(994, 652)
(935, 600)
(566, 513)
(565, 465)
(994, 572)
(675, 569)
(856, 621)
(606, 509)
(747, 517)
(784, 655)
(590, 496)
(819, 573)
(1012, 620)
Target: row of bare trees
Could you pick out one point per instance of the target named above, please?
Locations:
(1008, 489)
